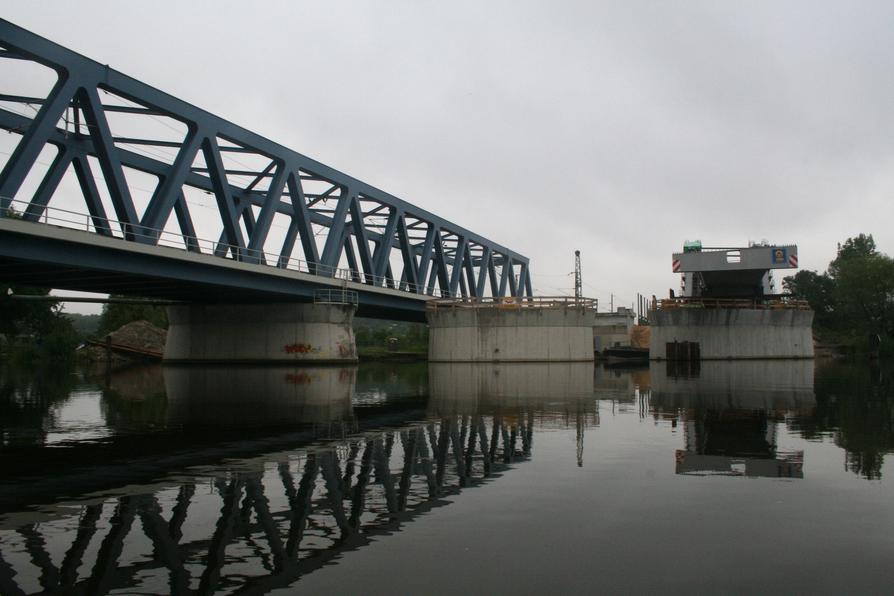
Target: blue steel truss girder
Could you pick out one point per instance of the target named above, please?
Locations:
(78, 261)
(84, 146)
(363, 224)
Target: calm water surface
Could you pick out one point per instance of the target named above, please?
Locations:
(732, 477)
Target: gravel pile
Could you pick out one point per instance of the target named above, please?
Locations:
(139, 335)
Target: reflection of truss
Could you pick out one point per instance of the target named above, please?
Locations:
(269, 531)
(270, 205)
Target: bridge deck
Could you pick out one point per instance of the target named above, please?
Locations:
(35, 254)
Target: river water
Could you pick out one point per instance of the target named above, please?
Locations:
(728, 477)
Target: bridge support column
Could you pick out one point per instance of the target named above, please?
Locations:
(257, 333)
(733, 333)
(510, 333)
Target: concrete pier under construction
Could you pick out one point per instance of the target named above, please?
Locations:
(730, 307)
(511, 330)
(733, 333)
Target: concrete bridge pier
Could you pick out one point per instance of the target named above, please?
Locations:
(261, 333)
(733, 333)
(511, 330)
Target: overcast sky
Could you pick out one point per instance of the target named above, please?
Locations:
(620, 129)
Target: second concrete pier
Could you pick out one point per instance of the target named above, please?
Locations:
(511, 330)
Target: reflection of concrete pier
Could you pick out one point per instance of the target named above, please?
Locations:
(251, 396)
(209, 413)
(617, 385)
(561, 393)
(744, 384)
(464, 387)
(730, 413)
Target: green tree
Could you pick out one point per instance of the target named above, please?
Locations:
(855, 296)
(115, 315)
(854, 248)
(864, 294)
(25, 317)
(819, 291)
(45, 333)
(36, 329)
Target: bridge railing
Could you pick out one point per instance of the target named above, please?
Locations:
(339, 296)
(776, 303)
(513, 302)
(113, 228)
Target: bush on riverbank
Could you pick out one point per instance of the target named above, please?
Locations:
(34, 329)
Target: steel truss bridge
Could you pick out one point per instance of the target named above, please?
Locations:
(155, 197)
(283, 521)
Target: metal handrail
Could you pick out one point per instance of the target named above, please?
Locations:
(730, 303)
(333, 296)
(76, 220)
(513, 302)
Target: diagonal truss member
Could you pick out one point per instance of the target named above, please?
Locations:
(95, 122)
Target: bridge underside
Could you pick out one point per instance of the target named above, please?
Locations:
(37, 255)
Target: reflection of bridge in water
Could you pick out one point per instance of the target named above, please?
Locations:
(259, 522)
(278, 521)
(328, 460)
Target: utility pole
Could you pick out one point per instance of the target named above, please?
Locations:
(578, 282)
